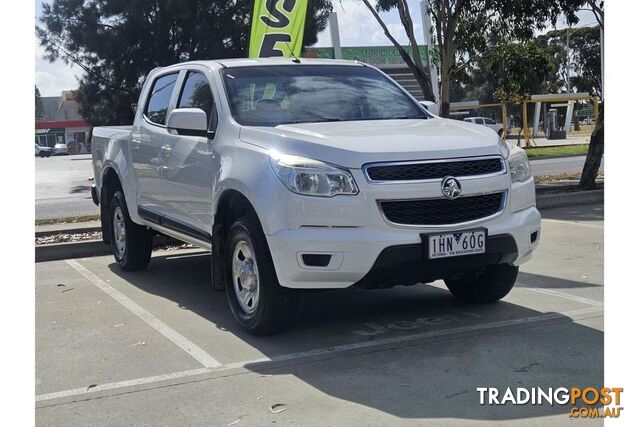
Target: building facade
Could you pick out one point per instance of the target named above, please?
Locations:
(62, 123)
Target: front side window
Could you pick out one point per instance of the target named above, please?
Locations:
(159, 98)
(196, 93)
(279, 94)
(489, 122)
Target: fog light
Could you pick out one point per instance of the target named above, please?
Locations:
(534, 236)
(316, 260)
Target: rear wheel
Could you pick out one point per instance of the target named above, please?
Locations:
(255, 296)
(130, 242)
(489, 285)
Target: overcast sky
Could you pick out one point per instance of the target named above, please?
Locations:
(357, 28)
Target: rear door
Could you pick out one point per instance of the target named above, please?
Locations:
(149, 142)
(190, 169)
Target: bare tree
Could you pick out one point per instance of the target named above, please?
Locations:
(465, 30)
(415, 64)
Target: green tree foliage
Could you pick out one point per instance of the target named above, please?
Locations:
(117, 42)
(519, 70)
(465, 30)
(584, 51)
(39, 105)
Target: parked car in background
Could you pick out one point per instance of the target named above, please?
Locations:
(60, 150)
(43, 151)
(490, 123)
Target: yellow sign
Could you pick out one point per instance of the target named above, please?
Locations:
(277, 28)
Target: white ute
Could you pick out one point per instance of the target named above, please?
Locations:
(312, 174)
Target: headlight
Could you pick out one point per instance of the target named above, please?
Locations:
(519, 166)
(312, 177)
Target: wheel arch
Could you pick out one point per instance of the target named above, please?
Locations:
(232, 204)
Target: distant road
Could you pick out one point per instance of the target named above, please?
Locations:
(63, 186)
(559, 165)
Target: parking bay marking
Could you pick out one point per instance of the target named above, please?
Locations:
(70, 395)
(184, 343)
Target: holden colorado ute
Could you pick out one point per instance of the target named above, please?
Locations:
(312, 174)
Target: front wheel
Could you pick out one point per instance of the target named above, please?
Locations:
(489, 285)
(131, 243)
(255, 296)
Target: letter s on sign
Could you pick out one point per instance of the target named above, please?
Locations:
(281, 20)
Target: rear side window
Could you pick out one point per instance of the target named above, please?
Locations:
(196, 93)
(158, 103)
(479, 122)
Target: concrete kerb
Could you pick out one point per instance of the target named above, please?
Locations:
(85, 249)
(576, 198)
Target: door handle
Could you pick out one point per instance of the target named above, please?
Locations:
(166, 150)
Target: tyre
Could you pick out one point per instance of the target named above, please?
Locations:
(130, 242)
(255, 296)
(490, 285)
(41, 154)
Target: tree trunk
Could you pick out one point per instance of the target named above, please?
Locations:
(594, 155)
(446, 63)
(445, 104)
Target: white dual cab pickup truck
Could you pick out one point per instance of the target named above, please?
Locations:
(312, 174)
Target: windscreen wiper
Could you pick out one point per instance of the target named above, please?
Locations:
(319, 120)
(407, 117)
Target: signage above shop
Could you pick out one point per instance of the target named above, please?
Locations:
(373, 55)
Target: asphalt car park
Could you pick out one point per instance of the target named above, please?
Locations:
(161, 347)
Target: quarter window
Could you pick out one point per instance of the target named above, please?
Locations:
(196, 93)
(160, 98)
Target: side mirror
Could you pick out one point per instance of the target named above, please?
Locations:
(431, 107)
(187, 121)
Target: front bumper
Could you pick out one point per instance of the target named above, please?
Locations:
(380, 257)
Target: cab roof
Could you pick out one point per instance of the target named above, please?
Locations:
(253, 62)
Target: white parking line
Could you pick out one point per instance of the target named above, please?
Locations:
(324, 352)
(121, 384)
(586, 301)
(184, 343)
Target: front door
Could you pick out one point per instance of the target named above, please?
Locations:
(189, 174)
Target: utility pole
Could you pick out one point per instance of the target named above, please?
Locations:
(568, 62)
(335, 35)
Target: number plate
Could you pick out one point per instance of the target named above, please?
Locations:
(456, 243)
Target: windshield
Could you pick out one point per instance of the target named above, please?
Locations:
(273, 95)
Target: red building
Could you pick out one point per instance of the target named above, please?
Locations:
(62, 123)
